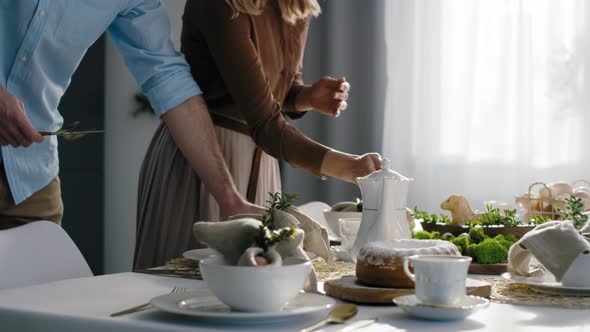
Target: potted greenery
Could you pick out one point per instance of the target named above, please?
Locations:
(492, 221)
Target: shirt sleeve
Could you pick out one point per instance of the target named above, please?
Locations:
(230, 43)
(142, 35)
(290, 104)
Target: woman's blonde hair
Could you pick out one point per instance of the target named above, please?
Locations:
(291, 10)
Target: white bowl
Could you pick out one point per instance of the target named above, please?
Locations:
(333, 217)
(577, 275)
(255, 288)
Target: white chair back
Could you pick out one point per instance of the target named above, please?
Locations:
(39, 252)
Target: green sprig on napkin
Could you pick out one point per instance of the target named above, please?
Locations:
(267, 238)
(282, 201)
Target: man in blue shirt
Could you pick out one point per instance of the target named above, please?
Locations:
(42, 43)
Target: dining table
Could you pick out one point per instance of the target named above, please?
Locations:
(85, 304)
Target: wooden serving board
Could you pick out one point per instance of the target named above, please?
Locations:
(347, 288)
(490, 269)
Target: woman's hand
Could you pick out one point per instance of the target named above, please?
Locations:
(329, 95)
(348, 167)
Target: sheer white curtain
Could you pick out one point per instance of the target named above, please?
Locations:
(487, 96)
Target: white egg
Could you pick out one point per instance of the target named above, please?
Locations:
(585, 196)
(581, 184)
(584, 193)
(560, 188)
(546, 193)
(559, 204)
(529, 202)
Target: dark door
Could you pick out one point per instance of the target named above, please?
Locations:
(81, 162)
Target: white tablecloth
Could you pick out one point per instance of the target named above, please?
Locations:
(85, 305)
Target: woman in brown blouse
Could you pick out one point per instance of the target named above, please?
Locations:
(246, 55)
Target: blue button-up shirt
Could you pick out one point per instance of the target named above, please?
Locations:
(43, 41)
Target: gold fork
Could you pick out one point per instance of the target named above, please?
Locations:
(144, 306)
(69, 134)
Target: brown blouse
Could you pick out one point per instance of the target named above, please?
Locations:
(249, 69)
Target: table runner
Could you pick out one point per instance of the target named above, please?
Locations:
(189, 268)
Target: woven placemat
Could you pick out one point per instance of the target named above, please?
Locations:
(178, 268)
(189, 269)
(332, 270)
(505, 291)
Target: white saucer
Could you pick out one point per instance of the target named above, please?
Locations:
(340, 253)
(199, 254)
(547, 284)
(202, 304)
(411, 305)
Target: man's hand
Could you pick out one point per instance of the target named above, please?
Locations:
(15, 128)
(192, 129)
(242, 207)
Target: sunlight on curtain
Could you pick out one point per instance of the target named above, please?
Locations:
(487, 96)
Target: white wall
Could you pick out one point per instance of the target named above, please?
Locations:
(125, 146)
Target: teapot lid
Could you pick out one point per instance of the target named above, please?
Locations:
(385, 173)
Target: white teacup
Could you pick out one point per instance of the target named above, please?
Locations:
(349, 228)
(438, 279)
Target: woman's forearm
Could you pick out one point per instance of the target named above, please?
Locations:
(303, 99)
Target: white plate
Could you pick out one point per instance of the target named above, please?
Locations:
(199, 254)
(340, 253)
(547, 285)
(411, 305)
(201, 303)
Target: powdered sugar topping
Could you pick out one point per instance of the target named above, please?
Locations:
(374, 252)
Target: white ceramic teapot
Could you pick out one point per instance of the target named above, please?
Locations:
(384, 207)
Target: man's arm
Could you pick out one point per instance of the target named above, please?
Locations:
(142, 35)
(192, 129)
(15, 128)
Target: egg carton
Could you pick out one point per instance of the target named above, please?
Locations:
(550, 199)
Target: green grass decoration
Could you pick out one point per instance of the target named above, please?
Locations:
(477, 245)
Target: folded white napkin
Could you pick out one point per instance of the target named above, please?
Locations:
(555, 244)
(229, 238)
(316, 236)
(235, 237)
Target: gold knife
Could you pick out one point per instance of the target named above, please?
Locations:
(357, 325)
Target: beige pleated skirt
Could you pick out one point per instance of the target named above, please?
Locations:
(171, 197)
